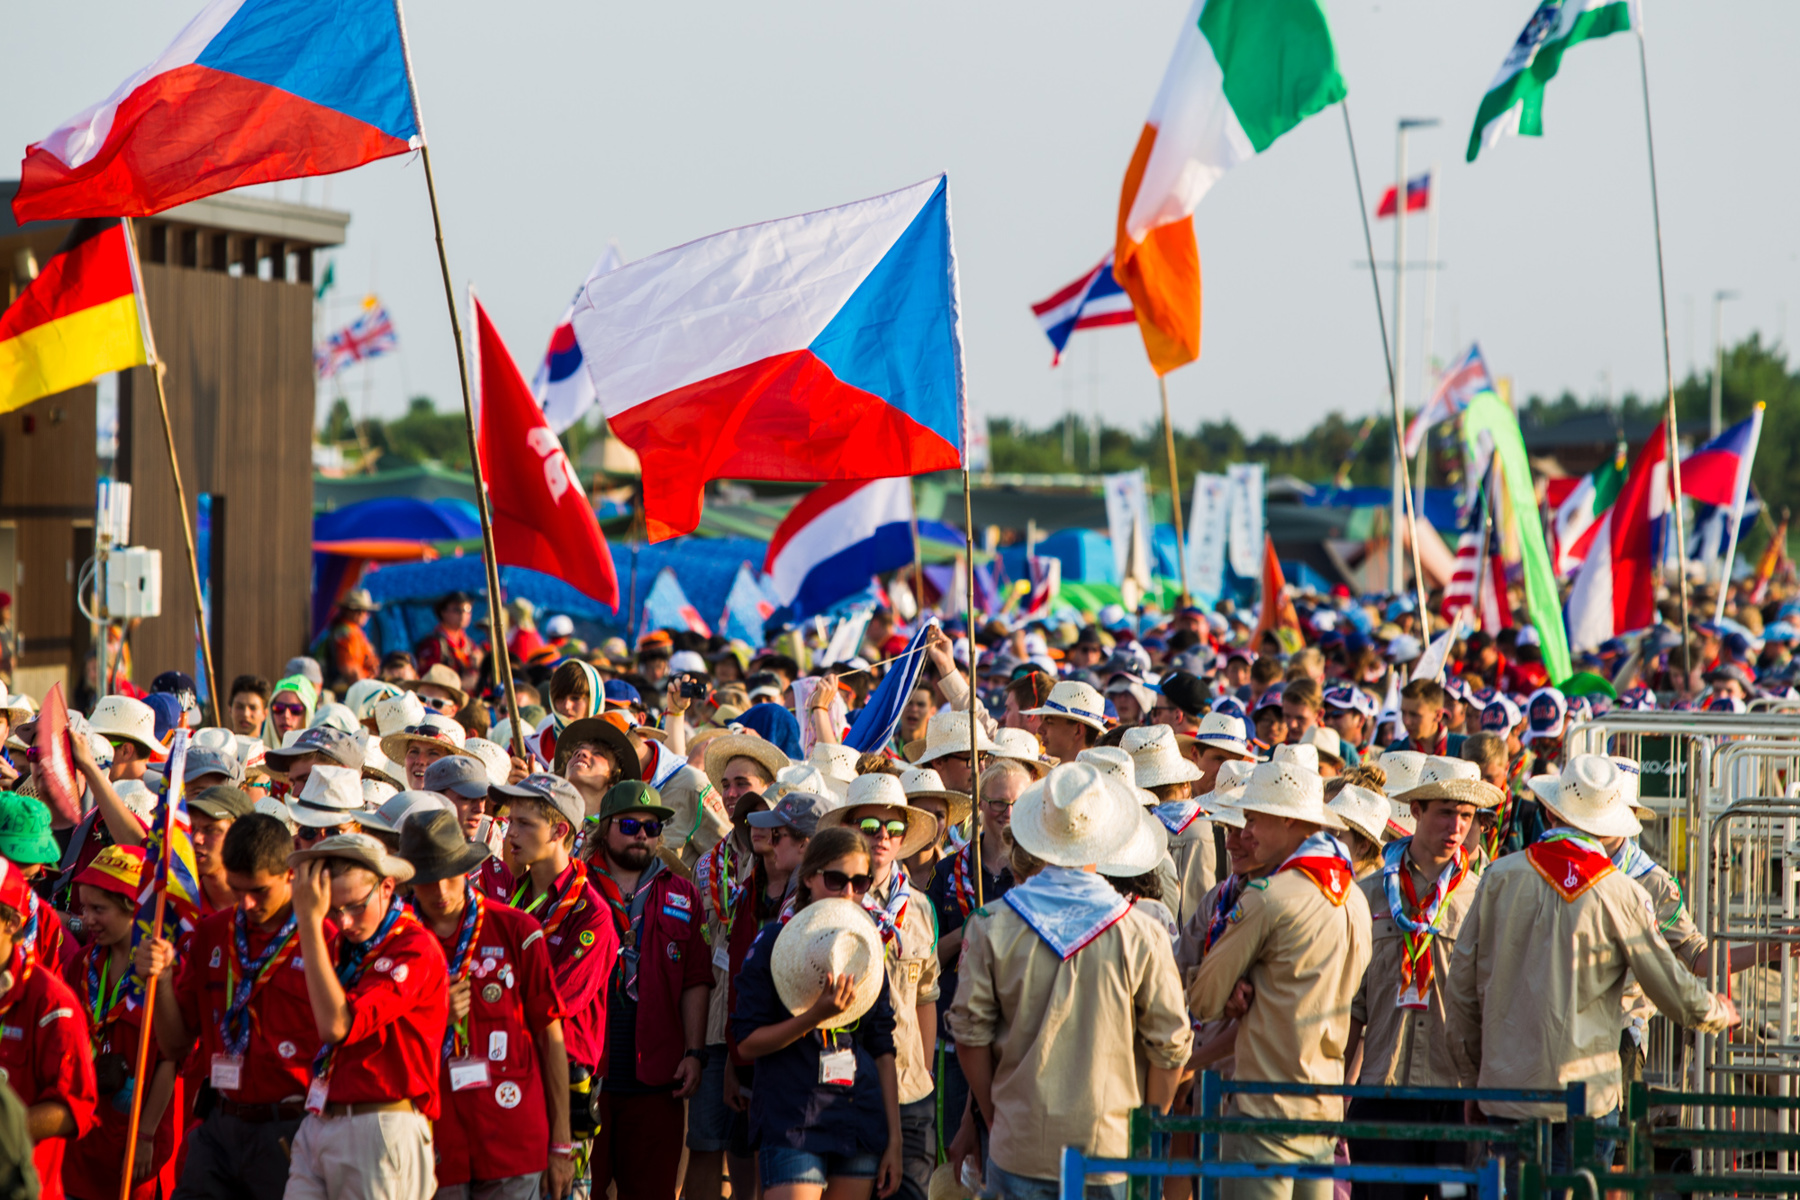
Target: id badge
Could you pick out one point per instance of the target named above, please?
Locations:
(837, 1067)
(316, 1096)
(1410, 997)
(722, 956)
(466, 1073)
(227, 1072)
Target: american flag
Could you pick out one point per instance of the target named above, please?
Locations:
(369, 336)
(1459, 593)
(1094, 300)
(1465, 379)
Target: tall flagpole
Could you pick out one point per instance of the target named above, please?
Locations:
(187, 525)
(496, 599)
(1662, 296)
(974, 699)
(1162, 384)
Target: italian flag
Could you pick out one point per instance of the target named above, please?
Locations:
(1578, 516)
(1514, 103)
(1244, 72)
(1615, 590)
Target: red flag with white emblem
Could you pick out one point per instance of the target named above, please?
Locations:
(542, 518)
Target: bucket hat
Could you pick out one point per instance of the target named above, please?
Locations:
(332, 796)
(393, 812)
(433, 843)
(25, 836)
(361, 849)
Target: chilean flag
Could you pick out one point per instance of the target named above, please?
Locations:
(826, 548)
(251, 91)
(826, 346)
(1094, 300)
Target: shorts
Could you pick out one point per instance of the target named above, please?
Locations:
(782, 1165)
(708, 1120)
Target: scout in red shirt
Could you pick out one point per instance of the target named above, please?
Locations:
(236, 1009)
(26, 843)
(98, 976)
(504, 1084)
(381, 1011)
(44, 1050)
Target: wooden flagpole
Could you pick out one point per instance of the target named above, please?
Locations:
(1162, 384)
(974, 699)
(147, 1030)
(496, 598)
(187, 525)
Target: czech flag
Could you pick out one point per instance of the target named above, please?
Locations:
(1418, 196)
(826, 346)
(1718, 473)
(76, 321)
(829, 544)
(251, 91)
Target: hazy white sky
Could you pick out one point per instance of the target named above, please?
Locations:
(557, 126)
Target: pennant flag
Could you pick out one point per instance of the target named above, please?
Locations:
(828, 545)
(1465, 379)
(542, 518)
(821, 347)
(371, 335)
(56, 762)
(1615, 590)
(1578, 516)
(76, 321)
(327, 281)
(1093, 301)
(1244, 72)
(1418, 197)
(562, 386)
(1718, 473)
(880, 716)
(1514, 103)
(1278, 614)
(667, 607)
(251, 91)
(169, 864)
(746, 608)
(1773, 556)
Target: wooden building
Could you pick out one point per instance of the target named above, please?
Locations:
(229, 285)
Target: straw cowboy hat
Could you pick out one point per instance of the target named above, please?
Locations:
(1077, 702)
(947, 733)
(1076, 816)
(1325, 742)
(1222, 731)
(1157, 757)
(433, 728)
(885, 791)
(1634, 778)
(361, 849)
(1454, 779)
(759, 750)
(378, 766)
(127, 720)
(1302, 756)
(798, 777)
(1118, 764)
(1283, 787)
(1022, 746)
(1221, 804)
(923, 783)
(1403, 768)
(332, 796)
(1593, 795)
(443, 677)
(1364, 811)
(837, 764)
(17, 707)
(826, 938)
(1148, 846)
(394, 713)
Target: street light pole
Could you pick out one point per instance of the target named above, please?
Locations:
(1716, 414)
(1396, 577)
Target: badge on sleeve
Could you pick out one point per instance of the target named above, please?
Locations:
(586, 938)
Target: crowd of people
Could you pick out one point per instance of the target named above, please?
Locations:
(671, 935)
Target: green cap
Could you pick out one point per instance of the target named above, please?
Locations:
(222, 802)
(25, 831)
(633, 796)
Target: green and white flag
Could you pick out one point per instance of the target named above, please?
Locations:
(1515, 100)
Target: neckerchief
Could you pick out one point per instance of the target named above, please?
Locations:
(353, 957)
(630, 918)
(664, 763)
(461, 958)
(1570, 861)
(1229, 890)
(562, 904)
(1324, 860)
(889, 915)
(1632, 860)
(1177, 815)
(1416, 934)
(234, 1021)
(103, 1010)
(614, 895)
(1439, 748)
(721, 878)
(1067, 907)
(962, 880)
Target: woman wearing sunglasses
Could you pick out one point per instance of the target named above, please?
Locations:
(825, 1103)
(290, 708)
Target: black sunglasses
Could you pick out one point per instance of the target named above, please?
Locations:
(632, 826)
(837, 881)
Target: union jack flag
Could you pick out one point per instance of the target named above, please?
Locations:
(369, 336)
(1460, 383)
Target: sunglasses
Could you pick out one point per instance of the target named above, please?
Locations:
(872, 827)
(837, 881)
(441, 704)
(291, 710)
(632, 826)
(313, 833)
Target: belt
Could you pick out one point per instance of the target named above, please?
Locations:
(374, 1106)
(263, 1114)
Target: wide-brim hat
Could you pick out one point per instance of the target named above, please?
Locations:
(378, 766)
(440, 676)
(1118, 764)
(18, 708)
(1402, 768)
(1363, 810)
(923, 783)
(1148, 846)
(1284, 787)
(1453, 779)
(359, 600)
(837, 763)
(608, 734)
(1220, 804)
(361, 849)
(1593, 795)
(332, 796)
(126, 719)
(1325, 740)
(1634, 779)
(885, 791)
(1224, 731)
(826, 938)
(759, 750)
(1157, 757)
(433, 728)
(1076, 701)
(1022, 746)
(433, 843)
(948, 733)
(1075, 816)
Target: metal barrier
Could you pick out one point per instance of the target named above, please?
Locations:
(1076, 1167)
(1730, 1159)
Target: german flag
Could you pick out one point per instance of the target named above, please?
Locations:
(77, 320)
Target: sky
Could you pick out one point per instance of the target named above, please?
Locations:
(557, 126)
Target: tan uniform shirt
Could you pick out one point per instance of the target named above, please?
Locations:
(1536, 984)
(912, 969)
(1678, 930)
(1305, 956)
(1189, 950)
(700, 821)
(1196, 865)
(1065, 1033)
(1406, 1047)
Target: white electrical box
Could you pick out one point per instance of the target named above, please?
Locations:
(134, 583)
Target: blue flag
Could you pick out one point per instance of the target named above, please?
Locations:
(747, 607)
(876, 723)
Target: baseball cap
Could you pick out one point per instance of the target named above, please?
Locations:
(620, 692)
(331, 745)
(462, 774)
(223, 802)
(1270, 698)
(688, 661)
(1637, 699)
(210, 760)
(116, 869)
(554, 790)
(560, 625)
(1185, 691)
(1345, 698)
(799, 811)
(1545, 712)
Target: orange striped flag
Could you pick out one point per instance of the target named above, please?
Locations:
(79, 319)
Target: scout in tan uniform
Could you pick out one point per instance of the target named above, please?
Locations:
(1063, 985)
(1294, 950)
(1182, 787)
(1417, 902)
(1527, 1011)
(1213, 1039)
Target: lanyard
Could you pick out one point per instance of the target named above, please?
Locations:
(349, 971)
(561, 906)
(105, 1008)
(234, 1022)
(462, 957)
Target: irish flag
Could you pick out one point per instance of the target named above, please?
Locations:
(1244, 72)
(1514, 103)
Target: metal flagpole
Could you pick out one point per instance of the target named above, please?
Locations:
(187, 524)
(974, 700)
(1427, 333)
(1737, 521)
(1398, 367)
(496, 598)
(1662, 296)
(1162, 385)
(1393, 389)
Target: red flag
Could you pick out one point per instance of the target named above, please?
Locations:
(55, 757)
(542, 518)
(1278, 612)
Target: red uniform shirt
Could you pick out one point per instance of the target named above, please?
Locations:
(399, 1006)
(44, 1055)
(493, 880)
(91, 1172)
(283, 1035)
(458, 651)
(501, 1127)
(672, 957)
(583, 945)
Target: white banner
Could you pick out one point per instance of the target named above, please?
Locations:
(1128, 518)
(1206, 538)
(1246, 520)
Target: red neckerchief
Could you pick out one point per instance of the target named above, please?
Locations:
(1571, 862)
(1333, 874)
(559, 906)
(1416, 956)
(1441, 748)
(614, 895)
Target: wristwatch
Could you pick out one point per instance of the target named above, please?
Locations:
(694, 1053)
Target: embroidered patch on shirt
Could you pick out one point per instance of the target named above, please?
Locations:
(677, 913)
(218, 955)
(400, 973)
(678, 900)
(384, 965)
(55, 1014)
(535, 935)
(586, 937)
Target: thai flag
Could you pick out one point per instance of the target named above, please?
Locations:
(1460, 383)
(667, 607)
(562, 387)
(251, 91)
(829, 544)
(1718, 473)
(826, 346)
(1418, 196)
(1094, 300)
(369, 336)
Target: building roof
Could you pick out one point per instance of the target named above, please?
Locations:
(238, 212)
